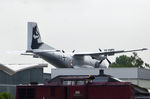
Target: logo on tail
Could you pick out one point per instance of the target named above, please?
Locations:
(36, 38)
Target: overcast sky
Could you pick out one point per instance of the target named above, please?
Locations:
(83, 25)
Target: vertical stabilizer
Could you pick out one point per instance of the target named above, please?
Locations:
(34, 38)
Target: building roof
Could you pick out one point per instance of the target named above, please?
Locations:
(100, 79)
(122, 73)
(14, 68)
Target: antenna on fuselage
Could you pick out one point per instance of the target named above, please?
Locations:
(63, 51)
(73, 51)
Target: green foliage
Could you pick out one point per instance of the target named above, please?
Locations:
(5, 95)
(132, 61)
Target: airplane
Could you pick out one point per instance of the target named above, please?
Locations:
(61, 59)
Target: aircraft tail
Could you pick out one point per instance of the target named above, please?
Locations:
(34, 38)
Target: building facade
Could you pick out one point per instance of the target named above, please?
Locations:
(138, 76)
(12, 75)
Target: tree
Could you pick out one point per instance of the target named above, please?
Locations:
(132, 61)
(5, 95)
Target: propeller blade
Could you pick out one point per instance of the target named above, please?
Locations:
(108, 61)
(100, 61)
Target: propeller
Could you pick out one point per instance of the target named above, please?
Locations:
(104, 58)
(108, 61)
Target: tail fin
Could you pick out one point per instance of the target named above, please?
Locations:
(34, 38)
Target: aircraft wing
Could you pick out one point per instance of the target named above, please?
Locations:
(108, 53)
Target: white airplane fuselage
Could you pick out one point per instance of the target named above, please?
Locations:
(67, 60)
